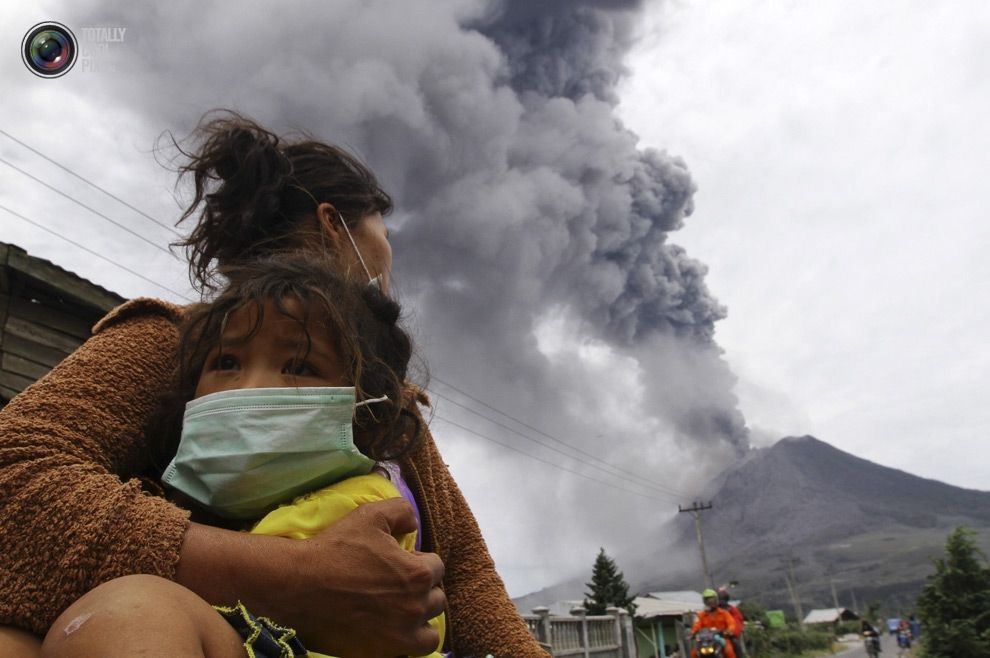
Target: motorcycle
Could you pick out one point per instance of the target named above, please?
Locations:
(872, 643)
(709, 643)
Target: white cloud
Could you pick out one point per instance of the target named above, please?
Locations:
(839, 150)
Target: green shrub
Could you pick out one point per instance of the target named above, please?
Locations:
(784, 643)
(797, 642)
(848, 627)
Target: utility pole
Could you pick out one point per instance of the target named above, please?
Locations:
(835, 599)
(696, 509)
(792, 588)
(855, 604)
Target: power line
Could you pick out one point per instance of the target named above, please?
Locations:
(88, 182)
(646, 483)
(551, 437)
(95, 212)
(94, 253)
(545, 461)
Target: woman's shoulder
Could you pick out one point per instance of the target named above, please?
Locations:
(141, 308)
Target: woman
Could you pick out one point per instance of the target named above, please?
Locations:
(72, 448)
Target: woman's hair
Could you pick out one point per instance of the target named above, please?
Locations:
(256, 193)
(362, 325)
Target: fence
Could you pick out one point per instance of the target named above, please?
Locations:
(587, 636)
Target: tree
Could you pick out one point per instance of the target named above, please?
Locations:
(754, 612)
(955, 603)
(873, 613)
(608, 587)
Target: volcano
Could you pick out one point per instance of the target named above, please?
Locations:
(837, 520)
(840, 523)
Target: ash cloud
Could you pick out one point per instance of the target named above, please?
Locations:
(562, 48)
(522, 203)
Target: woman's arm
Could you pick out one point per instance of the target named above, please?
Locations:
(350, 590)
(482, 618)
(74, 516)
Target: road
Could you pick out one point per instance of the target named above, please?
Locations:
(857, 650)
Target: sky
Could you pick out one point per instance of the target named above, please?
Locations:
(632, 240)
(838, 151)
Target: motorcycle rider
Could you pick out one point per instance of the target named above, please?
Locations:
(723, 602)
(871, 637)
(712, 616)
(904, 635)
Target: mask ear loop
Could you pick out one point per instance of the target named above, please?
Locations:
(371, 401)
(347, 230)
(363, 403)
(354, 244)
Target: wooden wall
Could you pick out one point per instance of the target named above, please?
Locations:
(45, 314)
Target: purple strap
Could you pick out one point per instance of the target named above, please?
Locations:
(395, 475)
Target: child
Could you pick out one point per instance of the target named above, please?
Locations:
(275, 369)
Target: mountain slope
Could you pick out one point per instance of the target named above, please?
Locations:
(804, 490)
(839, 519)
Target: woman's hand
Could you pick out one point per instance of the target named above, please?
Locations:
(349, 591)
(376, 597)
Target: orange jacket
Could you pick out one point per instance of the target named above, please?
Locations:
(737, 616)
(718, 619)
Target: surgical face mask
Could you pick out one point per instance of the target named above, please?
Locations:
(245, 451)
(374, 281)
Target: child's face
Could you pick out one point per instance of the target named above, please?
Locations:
(275, 356)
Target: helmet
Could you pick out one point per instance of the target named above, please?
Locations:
(709, 594)
(723, 595)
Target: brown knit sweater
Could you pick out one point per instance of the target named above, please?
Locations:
(74, 515)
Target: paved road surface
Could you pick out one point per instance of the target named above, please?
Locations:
(888, 646)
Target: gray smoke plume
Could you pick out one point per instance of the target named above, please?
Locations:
(562, 48)
(531, 234)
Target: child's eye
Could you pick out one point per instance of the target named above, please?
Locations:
(226, 362)
(299, 369)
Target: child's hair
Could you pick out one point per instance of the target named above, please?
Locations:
(362, 323)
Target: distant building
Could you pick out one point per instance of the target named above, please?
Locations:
(830, 616)
(687, 597)
(46, 312)
(662, 621)
(658, 628)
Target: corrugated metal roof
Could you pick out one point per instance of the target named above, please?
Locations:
(689, 596)
(828, 615)
(648, 607)
(111, 298)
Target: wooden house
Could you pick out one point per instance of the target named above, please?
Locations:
(663, 620)
(46, 312)
(830, 616)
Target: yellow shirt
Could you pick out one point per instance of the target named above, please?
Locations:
(310, 513)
